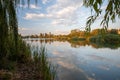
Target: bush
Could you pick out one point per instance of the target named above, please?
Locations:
(107, 38)
(97, 39)
(78, 39)
(20, 54)
(23, 53)
(112, 39)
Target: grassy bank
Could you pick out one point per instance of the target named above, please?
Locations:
(25, 66)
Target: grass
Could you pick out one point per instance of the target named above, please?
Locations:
(24, 62)
(44, 67)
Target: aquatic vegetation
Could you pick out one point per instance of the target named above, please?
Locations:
(47, 71)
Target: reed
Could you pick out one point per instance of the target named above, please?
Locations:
(45, 68)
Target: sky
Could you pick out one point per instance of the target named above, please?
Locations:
(56, 16)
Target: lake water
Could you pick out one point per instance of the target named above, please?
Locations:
(80, 60)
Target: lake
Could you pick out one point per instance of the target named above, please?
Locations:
(81, 60)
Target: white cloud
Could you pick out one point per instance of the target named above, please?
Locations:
(44, 1)
(33, 15)
(36, 16)
(22, 29)
(31, 6)
(64, 12)
(55, 22)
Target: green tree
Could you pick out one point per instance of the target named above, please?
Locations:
(9, 26)
(112, 11)
(114, 31)
(95, 32)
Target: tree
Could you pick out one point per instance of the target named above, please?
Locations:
(8, 23)
(95, 32)
(9, 26)
(112, 11)
(114, 31)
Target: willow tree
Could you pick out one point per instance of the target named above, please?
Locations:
(9, 25)
(112, 11)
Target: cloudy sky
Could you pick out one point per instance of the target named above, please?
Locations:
(56, 16)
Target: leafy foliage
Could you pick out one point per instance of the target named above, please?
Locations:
(112, 11)
(11, 46)
(9, 26)
(107, 39)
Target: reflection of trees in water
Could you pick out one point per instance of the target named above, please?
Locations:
(95, 46)
(76, 44)
(42, 40)
(103, 45)
(48, 41)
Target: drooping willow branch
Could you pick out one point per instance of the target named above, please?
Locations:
(112, 11)
(9, 23)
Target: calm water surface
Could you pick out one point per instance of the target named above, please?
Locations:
(82, 60)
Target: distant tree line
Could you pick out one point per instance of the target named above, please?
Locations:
(74, 33)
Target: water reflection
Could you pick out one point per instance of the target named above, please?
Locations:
(82, 60)
(74, 44)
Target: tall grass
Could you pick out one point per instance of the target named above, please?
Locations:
(11, 57)
(47, 71)
(25, 55)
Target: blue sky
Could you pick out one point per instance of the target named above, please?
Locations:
(56, 16)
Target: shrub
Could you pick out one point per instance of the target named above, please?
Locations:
(112, 39)
(107, 38)
(76, 39)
